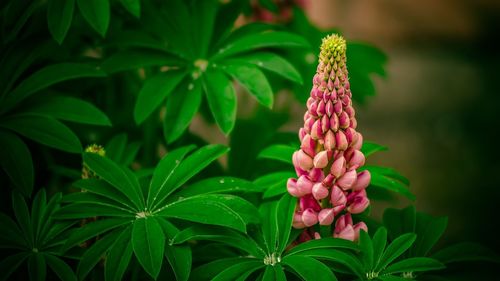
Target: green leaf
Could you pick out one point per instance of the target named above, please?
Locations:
(164, 171)
(135, 59)
(133, 7)
(234, 271)
(116, 176)
(400, 221)
(11, 233)
(203, 19)
(46, 77)
(23, 218)
(37, 267)
(60, 268)
(180, 111)
(253, 80)
(221, 235)
(273, 183)
(93, 229)
(344, 258)
(180, 258)
(396, 249)
(16, 161)
(466, 252)
(154, 92)
(429, 230)
(96, 13)
(273, 63)
(59, 17)
(269, 274)
(308, 268)
(367, 251)
(381, 179)
(392, 278)
(102, 188)
(93, 255)
(148, 242)
(414, 265)
(211, 209)
(189, 167)
(44, 130)
(323, 243)
(279, 273)
(273, 39)
(221, 98)
(216, 185)
(370, 148)
(71, 109)
(119, 256)
(379, 242)
(284, 212)
(11, 263)
(278, 152)
(115, 148)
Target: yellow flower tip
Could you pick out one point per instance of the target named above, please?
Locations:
(97, 149)
(333, 48)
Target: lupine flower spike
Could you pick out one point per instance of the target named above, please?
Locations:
(328, 184)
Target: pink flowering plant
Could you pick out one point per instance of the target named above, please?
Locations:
(112, 115)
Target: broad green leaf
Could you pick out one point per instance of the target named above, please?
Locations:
(284, 212)
(429, 230)
(208, 209)
(189, 167)
(367, 251)
(323, 243)
(134, 38)
(379, 241)
(96, 13)
(180, 111)
(44, 130)
(278, 152)
(71, 109)
(116, 176)
(93, 255)
(396, 249)
(234, 271)
(414, 265)
(23, 218)
(119, 255)
(37, 268)
(399, 221)
(203, 19)
(164, 171)
(370, 148)
(273, 184)
(218, 234)
(273, 39)
(85, 204)
(102, 188)
(38, 207)
(348, 260)
(180, 258)
(217, 185)
(253, 80)
(386, 181)
(466, 252)
(279, 273)
(392, 278)
(209, 270)
(11, 233)
(389, 172)
(273, 63)
(132, 150)
(154, 92)
(308, 268)
(221, 98)
(46, 77)
(16, 161)
(60, 268)
(115, 148)
(93, 229)
(133, 7)
(59, 17)
(135, 59)
(148, 243)
(9, 264)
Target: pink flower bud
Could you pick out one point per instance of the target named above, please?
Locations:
(321, 159)
(346, 233)
(317, 79)
(357, 160)
(337, 197)
(349, 110)
(328, 181)
(341, 140)
(319, 191)
(308, 202)
(359, 204)
(316, 175)
(326, 95)
(308, 124)
(354, 123)
(338, 167)
(329, 140)
(291, 187)
(347, 85)
(297, 221)
(325, 124)
(330, 84)
(363, 181)
(317, 236)
(304, 161)
(333, 96)
(346, 101)
(337, 107)
(326, 216)
(344, 120)
(334, 122)
(329, 108)
(347, 180)
(316, 131)
(302, 134)
(310, 100)
(313, 107)
(350, 135)
(309, 217)
(308, 145)
(320, 110)
(337, 82)
(358, 142)
(357, 228)
(304, 185)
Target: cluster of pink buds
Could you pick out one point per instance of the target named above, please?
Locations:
(328, 186)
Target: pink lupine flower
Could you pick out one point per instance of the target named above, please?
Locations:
(329, 183)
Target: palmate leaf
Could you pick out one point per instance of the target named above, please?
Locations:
(16, 161)
(308, 268)
(217, 185)
(148, 243)
(179, 256)
(396, 249)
